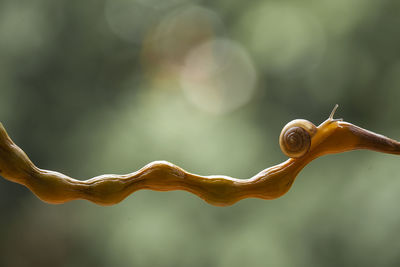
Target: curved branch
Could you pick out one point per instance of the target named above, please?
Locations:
(54, 187)
(332, 136)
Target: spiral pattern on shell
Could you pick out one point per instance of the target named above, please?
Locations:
(295, 138)
(297, 142)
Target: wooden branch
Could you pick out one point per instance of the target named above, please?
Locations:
(332, 136)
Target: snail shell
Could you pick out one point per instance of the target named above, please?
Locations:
(295, 138)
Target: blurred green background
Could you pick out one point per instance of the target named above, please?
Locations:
(93, 87)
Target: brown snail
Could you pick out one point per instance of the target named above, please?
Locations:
(295, 137)
(301, 140)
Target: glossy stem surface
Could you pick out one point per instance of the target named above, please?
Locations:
(333, 136)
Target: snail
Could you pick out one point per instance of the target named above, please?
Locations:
(295, 137)
(300, 140)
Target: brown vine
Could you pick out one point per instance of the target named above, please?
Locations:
(332, 136)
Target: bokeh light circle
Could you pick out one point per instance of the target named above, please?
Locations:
(218, 76)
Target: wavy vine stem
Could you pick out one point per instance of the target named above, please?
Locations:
(333, 136)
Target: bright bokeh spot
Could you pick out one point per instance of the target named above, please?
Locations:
(218, 76)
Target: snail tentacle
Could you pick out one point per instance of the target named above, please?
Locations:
(333, 113)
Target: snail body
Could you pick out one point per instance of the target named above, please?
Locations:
(300, 140)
